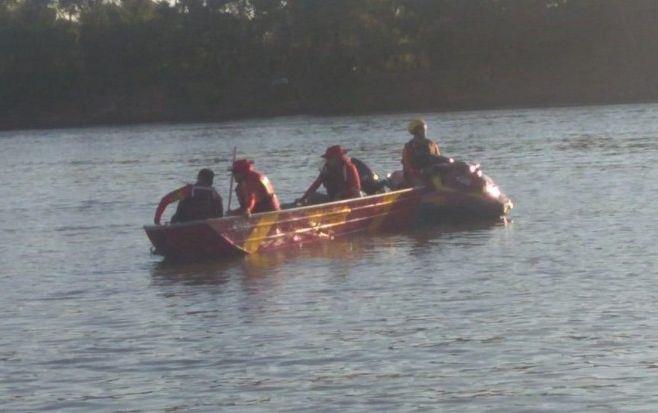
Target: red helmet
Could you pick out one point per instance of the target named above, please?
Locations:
(335, 151)
(242, 166)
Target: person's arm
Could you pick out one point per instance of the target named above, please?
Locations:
(249, 203)
(173, 196)
(406, 157)
(434, 150)
(314, 186)
(218, 205)
(246, 197)
(238, 196)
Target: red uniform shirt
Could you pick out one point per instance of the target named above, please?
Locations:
(256, 194)
(341, 181)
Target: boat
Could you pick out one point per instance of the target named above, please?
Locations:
(299, 226)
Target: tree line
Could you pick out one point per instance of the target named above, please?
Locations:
(77, 61)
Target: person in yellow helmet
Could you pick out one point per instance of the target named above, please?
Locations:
(418, 152)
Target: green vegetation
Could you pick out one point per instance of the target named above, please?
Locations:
(82, 61)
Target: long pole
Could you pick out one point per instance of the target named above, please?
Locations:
(230, 188)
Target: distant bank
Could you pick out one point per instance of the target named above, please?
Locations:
(416, 93)
(75, 62)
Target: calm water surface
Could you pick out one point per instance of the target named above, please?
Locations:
(554, 312)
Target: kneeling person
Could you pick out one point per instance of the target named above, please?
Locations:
(196, 202)
(339, 177)
(254, 191)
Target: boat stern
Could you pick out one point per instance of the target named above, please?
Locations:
(190, 240)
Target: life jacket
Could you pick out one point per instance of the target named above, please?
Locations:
(420, 150)
(417, 154)
(199, 202)
(256, 193)
(341, 181)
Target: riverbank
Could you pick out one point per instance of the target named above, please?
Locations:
(418, 92)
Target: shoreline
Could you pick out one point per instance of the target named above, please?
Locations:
(117, 120)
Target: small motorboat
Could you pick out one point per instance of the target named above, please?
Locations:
(457, 191)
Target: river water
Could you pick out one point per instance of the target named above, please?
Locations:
(555, 311)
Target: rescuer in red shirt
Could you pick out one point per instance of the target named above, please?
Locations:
(254, 191)
(339, 177)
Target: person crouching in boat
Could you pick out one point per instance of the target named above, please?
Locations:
(370, 182)
(418, 153)
(254, 191)
(196, 202)
(339, 177)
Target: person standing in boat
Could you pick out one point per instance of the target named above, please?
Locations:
(254, 191)
(196, 202)
(418, 153)
(339, 176)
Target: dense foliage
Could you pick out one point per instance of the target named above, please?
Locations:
(73, 61)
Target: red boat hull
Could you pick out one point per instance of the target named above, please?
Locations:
(296, 227)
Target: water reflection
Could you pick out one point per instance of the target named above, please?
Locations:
(203, 272)
(340, 254)
(253, 267)
(430, 236)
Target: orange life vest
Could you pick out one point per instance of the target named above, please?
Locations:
(256, 194)
(415, 156)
